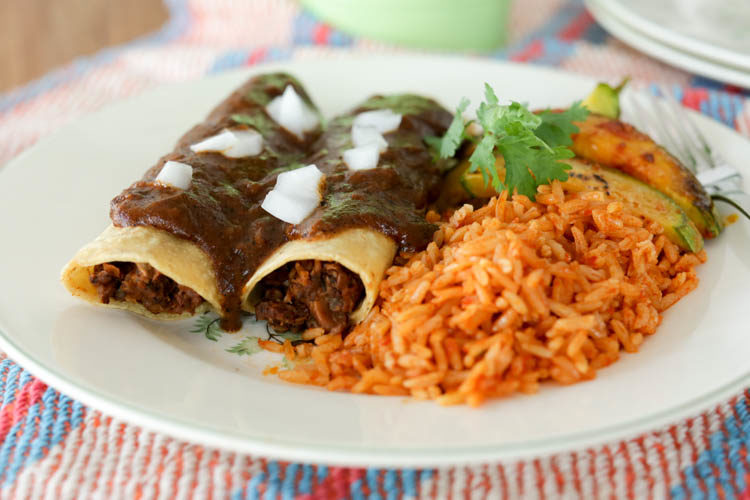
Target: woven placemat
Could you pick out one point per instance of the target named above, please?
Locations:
(54, 447)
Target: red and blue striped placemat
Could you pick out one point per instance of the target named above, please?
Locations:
(54, 447)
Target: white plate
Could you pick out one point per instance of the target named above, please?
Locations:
(717, 30)
(633, 33)
(55, 197)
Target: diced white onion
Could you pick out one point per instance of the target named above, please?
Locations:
(290, 210)
(219, 142)
(362, 136)
(249, 143)
(232, 143)
(296, 194)
(383, 120)
(362, 158)
(300, 181)
(176, 174)
(292, 113)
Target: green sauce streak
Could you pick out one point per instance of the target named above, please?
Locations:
(257, 120)
(230, 190)
(405, 104)
(259, 93)
(286, 168)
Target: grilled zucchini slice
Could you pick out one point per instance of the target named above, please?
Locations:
(615, 144)
(605, 100)
(643, 199)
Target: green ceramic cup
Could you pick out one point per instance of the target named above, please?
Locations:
(478, 25)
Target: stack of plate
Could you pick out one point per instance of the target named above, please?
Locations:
(708, 37)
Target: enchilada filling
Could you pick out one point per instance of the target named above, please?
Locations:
(308, 294)
(299, 295)
(141, 283)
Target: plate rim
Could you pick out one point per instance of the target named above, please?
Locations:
(349, 456)
(678, 41)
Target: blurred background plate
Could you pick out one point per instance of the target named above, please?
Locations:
(718, 30)
(727, 61)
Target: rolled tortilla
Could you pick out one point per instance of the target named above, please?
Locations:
(181, 259)
(363, 251)
(189, 266)
(178, 259)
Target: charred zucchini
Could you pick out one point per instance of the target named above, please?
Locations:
(618, 145)
(643, 199)
(605, 99)
(461, 185)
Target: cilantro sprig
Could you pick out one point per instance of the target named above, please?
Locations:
(533, 145)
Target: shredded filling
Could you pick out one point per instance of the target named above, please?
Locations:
(309, 294)
(300, 295)
(141, 283)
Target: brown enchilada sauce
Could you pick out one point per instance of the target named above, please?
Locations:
(221, 210)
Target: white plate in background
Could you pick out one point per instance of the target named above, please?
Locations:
(725, 63)
(718, 30)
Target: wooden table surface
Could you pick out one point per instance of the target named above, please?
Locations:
(39, 35)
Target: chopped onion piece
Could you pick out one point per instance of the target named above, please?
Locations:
(296, 194)
(176, 174)
(362, 158)
(362, 136)
(292, 113)
(232, 143)
(300, 181)
(219, 142)
(383, 120)
(249, 143)
(290, 210)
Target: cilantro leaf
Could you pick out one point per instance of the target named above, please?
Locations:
(489, 95)
(517, 118)
(455, 133)
(517, 173)
(557, 127)
(531, 144)
(484, 160)
(546, 168)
